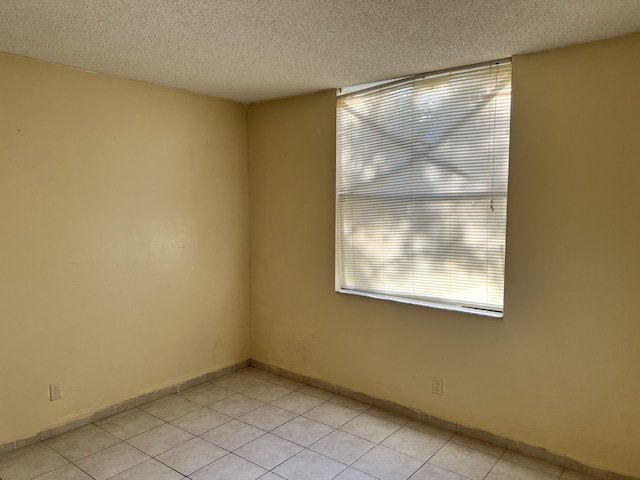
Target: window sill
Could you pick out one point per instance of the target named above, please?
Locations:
(424, 303)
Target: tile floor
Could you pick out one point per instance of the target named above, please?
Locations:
(253, 424)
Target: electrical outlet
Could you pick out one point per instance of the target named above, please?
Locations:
(437, 385)
(55, 392)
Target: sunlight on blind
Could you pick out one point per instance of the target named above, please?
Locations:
(422, 188)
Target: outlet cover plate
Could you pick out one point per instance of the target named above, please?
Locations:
(55, 392)
(437, 385)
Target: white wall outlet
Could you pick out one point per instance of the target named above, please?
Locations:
(55, 392)
(437, 385)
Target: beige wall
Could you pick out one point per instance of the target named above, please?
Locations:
(562, 369)
(123, 240)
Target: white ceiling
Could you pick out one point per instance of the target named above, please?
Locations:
(252, 50)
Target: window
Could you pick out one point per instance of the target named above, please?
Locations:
(422, 166)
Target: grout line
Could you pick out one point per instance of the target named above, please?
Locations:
(539, 453)
(494, 465)
(324, 401)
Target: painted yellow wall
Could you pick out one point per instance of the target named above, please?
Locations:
(562, 368)
(123, 240)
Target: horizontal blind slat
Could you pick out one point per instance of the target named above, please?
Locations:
(422, 187)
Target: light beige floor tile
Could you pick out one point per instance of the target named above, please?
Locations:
(370, 428)
(297, 402)
(387, 464)
(21, 451)
(160, 439)
(464, 461)
(431, 472)
(568, 474)
(267, 392)
(317, 392)
(81, 442)
(308, 465)
(191, 456)
(353, 474)
(208, 394)
(387, 415)
(193, 388)
(343, 446)
(270, 476)
(303, 431)
(478, 444)
(68, 472)
(351, 403)
(268, 451)
(229, 467)
(237, 382)
(506, 470)
(30, 463)
(256, 372)
(111, 418)
(287, 382)
(131, 425)
(232, 435)
(331, 414)
(172, 407)
(157, 400)
(149, 470)
(112, 461)
(236, 405)
(411, 442)
(267, 417)
(201, 421)
(535, 463)
(430, 429)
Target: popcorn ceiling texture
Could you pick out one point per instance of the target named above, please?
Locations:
(252, 50)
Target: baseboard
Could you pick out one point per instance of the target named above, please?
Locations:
(524, 448)
(120, 407)
(530, 450)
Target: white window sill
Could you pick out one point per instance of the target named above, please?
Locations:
(425, 303)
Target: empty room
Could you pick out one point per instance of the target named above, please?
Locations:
(315, 240)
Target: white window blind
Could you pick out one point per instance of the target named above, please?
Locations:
(422, 168)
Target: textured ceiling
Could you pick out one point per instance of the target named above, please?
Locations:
(251, 50)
